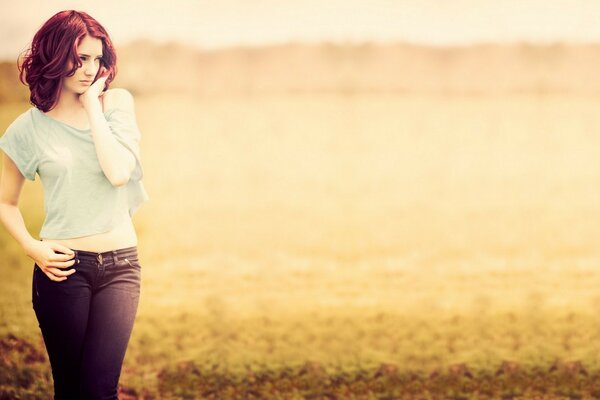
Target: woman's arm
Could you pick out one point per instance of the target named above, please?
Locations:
(11, 185)
(116, 161)
(43, 253)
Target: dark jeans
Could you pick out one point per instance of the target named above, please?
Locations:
(86, 321)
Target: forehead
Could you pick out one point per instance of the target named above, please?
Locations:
(90, 45)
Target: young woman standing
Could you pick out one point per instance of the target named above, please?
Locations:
(83, 142)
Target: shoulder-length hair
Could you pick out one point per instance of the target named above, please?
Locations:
(53, 47)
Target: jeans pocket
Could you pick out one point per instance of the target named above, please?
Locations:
(130, 262)
(75, 286)
(126, 275)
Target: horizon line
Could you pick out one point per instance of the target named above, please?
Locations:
(347, 42)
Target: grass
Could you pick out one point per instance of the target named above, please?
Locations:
(296, 246)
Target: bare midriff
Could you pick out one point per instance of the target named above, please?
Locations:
(121, 236)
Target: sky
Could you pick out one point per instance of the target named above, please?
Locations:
(222, 23)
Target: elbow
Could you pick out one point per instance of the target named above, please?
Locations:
(123, 175)
(120, 180)
(120, 183)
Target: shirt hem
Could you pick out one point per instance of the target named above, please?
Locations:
(79, 234)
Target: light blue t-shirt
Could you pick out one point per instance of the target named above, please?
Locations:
(79, 200)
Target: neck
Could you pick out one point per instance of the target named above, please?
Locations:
(68, 102)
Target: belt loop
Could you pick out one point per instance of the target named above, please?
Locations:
(115, 256)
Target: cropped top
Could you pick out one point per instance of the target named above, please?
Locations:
(79, 200)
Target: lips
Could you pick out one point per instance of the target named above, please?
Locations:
(86, 82)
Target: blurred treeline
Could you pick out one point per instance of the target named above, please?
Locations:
(149, 68)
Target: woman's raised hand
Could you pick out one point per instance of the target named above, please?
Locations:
(93, 92)
(51, 258)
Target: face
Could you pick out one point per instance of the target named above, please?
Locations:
(90, 52)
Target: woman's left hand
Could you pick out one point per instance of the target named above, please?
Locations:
(93, 92)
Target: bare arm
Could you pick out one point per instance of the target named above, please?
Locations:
(11, 185)
(116, 161)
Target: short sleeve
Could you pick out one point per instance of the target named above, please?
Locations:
(18, 144)
(123, 125)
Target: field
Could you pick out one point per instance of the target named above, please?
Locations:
(351, 246)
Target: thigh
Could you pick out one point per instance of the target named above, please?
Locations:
(61, 309)
(112, 314)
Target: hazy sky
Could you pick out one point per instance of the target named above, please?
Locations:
(217, 23)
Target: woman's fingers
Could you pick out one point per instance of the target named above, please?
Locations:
(62, 264)
(51, 276)
(61, 257)
(62, 249)
(61, 260)
(57, 272)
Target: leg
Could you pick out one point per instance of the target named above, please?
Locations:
(112, 313)
(62, 310)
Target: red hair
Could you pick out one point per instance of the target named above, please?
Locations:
(46, 62)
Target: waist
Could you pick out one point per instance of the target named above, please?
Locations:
(107, 257)
(121, 236)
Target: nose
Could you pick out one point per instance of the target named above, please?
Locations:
(90, 69)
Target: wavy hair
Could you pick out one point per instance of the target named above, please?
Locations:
(54, 45)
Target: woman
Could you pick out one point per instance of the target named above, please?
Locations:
(83, 142)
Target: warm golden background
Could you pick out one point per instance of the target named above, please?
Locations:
(420, 204)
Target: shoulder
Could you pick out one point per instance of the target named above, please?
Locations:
(22, 125)
(19, 140)
(118, 98)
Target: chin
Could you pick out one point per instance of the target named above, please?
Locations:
(75, 89)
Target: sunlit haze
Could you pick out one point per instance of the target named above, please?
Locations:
(210, 24)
